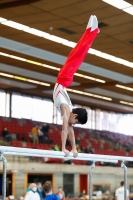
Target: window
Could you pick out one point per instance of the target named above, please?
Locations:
(99, 117)
(88, 124)
(113, 122)
(16, 105)
(124, 124)
(26, 111)
(2, 103)
(38, 113)
(21, 106)
(42, 110)
(48, 111)
(93, 119)
(105, 121)
(54, 115)
(59, 118)
(35, 108)
(7, 105)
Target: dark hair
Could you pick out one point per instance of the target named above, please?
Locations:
(47, 186)
(81, 115)
(122, 183)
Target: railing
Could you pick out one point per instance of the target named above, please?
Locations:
(54, 154)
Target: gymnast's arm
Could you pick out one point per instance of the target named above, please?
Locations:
(65, 114)
(72, 138)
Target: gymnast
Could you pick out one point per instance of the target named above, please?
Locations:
(61, 99)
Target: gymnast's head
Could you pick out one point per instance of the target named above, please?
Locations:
(47, 187)
(78, 116)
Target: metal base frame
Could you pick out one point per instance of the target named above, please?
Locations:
(52, 154)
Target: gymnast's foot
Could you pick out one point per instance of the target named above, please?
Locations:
(66, 152)
(90, 22)
(93, 23)
(75, 153)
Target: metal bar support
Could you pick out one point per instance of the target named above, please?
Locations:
(125, 179)
(90, 180)
(4, 176)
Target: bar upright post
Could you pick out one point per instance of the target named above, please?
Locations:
(125, 179)
(90, 180)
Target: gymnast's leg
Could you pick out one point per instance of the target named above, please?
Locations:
(77, 55)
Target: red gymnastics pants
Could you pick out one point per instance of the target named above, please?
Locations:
(76, 57)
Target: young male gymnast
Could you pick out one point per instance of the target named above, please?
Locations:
(65, 77)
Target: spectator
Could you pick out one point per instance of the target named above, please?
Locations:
(60, 193)
(82, 194)
(127, 148)
(88, 149)
(45, 130)
(34, 132)
(40, 135)
(52, 148)
(48, 191)
(131, 196)
(129, 164)
(6, 135)
(32, 194)
(119, 194)
(56, 147)
(28, 188)
(77, 141)
(78, 148)
(40, 190)
(117, 146)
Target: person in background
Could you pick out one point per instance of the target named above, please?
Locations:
(119, 194)
(6, 135)
(82, 194)
(34, 132)
(60, 193)
(48, 191)
(77, 141)
(56, 147)
(40, 189)
(28, 188)
(78, 148)
(45, 130)
(131, 196)
(40, 135)
(88, 150)
(32, 194)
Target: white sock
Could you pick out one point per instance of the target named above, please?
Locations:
(89, 25)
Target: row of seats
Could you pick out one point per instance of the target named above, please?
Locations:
(22, 127)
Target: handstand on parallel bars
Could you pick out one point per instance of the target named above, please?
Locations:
(54, 154)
